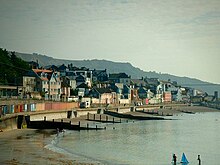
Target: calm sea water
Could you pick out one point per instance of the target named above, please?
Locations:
(148, 142)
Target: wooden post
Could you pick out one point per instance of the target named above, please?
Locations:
(100, 117)
(79, 123)
(70, 122)
(87, 126)
(53, 120)
(96, 127)
(61, 120)
(94, 116)
(45, 118)
(106, 118)
(120, 120)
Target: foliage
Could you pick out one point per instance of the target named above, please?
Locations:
(12, 68)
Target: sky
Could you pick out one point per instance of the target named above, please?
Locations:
(168, 36)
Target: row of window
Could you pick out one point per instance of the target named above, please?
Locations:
(52, 90)
(52, 83)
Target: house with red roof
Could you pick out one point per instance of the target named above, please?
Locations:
(48, 83)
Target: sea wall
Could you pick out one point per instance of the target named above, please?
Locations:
(8, 124)
(35, 107)
(11, 112)
(48, 116)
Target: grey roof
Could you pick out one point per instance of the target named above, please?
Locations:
(118, 75)
(103, 90)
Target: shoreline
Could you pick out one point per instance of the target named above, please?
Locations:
(27, 146)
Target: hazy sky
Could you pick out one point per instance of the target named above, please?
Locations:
(180, 37)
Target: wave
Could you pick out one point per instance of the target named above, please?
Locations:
(53, 146)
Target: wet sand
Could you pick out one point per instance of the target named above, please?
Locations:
(182, 109)
(193, 109)
(27, 146)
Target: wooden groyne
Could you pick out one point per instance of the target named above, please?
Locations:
(189, 112)
(154, 112)
(60, 126)
(103, 118)
(215, 105)
(133, 117)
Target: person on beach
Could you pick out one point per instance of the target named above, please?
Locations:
(174, 159)
(63, 131)
(199, 159)
(58, 131)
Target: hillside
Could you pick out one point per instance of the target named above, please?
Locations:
(11, 68)
(116, 67)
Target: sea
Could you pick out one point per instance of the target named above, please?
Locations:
(148, 142)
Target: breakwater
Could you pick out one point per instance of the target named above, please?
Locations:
(13, 120)
(215, 105)
(134, 117)
(61, 125)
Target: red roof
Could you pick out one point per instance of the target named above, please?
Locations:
(39, 71)
(42, 70)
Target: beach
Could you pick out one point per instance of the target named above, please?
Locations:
(27, 146)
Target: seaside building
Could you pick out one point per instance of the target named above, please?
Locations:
(10, 91)
(138, 82)
(48, 83)
(65, 91)
(103, 96)
(120, 78)
(167, 97)
(29, 85)
(123, 93)
(83, 90)
(99, 75)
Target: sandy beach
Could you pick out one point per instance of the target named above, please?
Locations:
(27, 146)
(193, 109)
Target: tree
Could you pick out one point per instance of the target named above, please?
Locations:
(12, 68)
